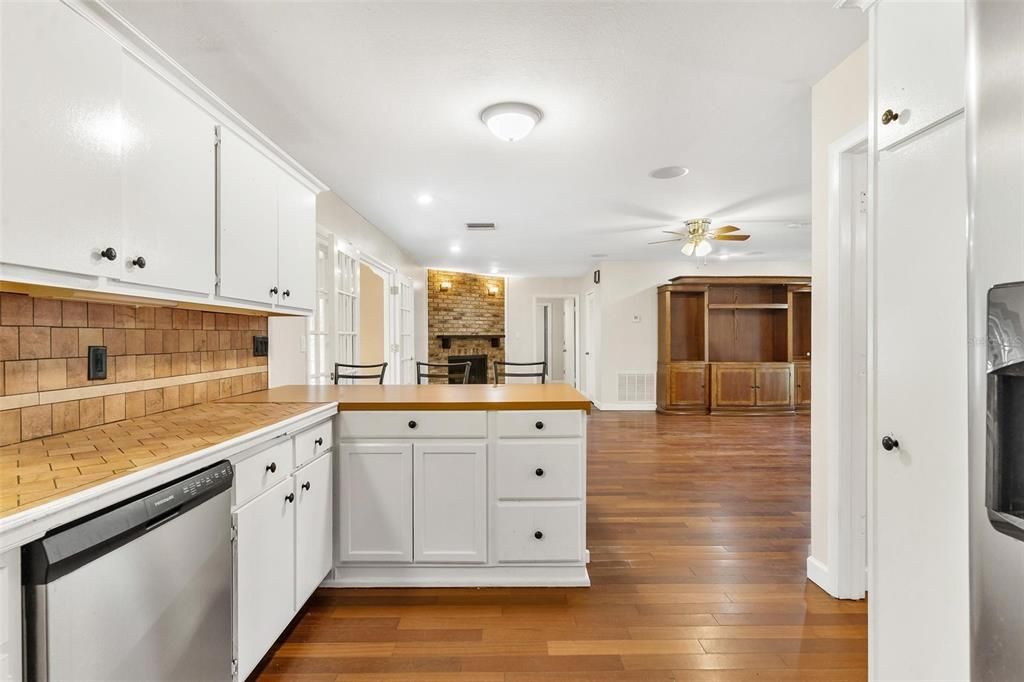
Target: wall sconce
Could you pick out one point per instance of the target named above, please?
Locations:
(445, 286)
(492, 290)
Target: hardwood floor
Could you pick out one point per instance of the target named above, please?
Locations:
(698, 532)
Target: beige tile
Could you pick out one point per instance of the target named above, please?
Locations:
(90, 412)
(74, 314)
(164, 318)
(221, 321)
(233, 322)
(135, 341)
(154, 341)
(135, 404)
(202, 341)
(63, 342)
(186, 395)
(77, 372)
(46, 312)
(21, 376)
(124, 316)
(179, 364)
(124, 368)
(33, 343)
(65, 416)
(195, 319)
(53, 374)
(199, 391)
(144, 367)
(170, 341)
(209, 321)
(144, 317)
(10, 427)
(171, 397)
(162, 365)
(113, 407)
(89, 336)
(15, 310)
(115, 340)
(219, 360)
(186, 341)
(8, 343)
(154, 401)
(224, 342)
(180, 319)
(101, 315)
(206, 361)
(194, 363)
(36, 421)
(213, 390)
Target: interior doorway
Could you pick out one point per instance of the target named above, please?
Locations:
(373, 345)
(555, 337)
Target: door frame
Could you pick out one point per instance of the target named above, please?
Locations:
(392, 353)
(591, 336)
(575, 299)
(847, 439)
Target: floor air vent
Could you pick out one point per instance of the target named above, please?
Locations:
(636, 388)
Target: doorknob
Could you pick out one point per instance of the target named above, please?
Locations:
(889, 116)
(889, 443)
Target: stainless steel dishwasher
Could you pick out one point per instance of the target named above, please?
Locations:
(137, 591)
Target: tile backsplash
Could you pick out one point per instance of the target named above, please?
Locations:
(158, 358)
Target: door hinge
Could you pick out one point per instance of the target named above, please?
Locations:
(216, 136)
(234, 668)
(234, 531)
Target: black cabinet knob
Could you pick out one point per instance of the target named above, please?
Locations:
(272, 467)
(539, 425)
(319, 441)
(139, 262)
(412, 424)
(286, 293)
(290, 497)
(888, 116)
(539, 472)
(274, 290)
(305, 486)
(109, 253)
(538, 535)
(889, 443)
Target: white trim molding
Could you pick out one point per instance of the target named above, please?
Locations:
(625, 407)
(819, 574)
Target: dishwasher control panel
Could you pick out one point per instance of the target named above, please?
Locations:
(204, 484)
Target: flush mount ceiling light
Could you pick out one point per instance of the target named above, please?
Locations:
(510, 121)
(669, 172)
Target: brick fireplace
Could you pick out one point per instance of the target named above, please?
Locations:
(466, 317)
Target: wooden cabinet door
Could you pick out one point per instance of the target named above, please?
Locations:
(687, 384)
(774, 386)
(734, 386)
(264, 572)
(169, 186)
(450, 502)
(248, 222)
(375, 502)
(314, 539)
(61, 137)
(296, 243)
(803, 385)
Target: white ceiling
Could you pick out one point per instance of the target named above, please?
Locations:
(382, 102)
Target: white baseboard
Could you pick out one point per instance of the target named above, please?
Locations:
(819, 574)
(625, 407)
(381, 575)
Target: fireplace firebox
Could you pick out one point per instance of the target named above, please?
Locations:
(477, 368)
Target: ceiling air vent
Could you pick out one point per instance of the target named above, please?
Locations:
(480, 227)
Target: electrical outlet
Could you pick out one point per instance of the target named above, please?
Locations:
(97, 365)
(636, 318)
(260, 346)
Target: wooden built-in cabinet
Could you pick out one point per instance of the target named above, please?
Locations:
(734, 344)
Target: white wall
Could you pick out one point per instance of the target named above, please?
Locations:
(839, 103)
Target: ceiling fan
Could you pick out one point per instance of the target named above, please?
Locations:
(698, 236)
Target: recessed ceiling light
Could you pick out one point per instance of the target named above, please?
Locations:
(424, 199)
(455, 248)
(494, 270)
(510, 121)
(669, 172)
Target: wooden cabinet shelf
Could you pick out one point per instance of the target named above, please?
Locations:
(734, 344)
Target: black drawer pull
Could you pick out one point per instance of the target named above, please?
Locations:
(319, 441)
(539, 425)
(538, 535)
(290, 497)
(539, 472)
(272, 467)
(305, 486)
(412, 424)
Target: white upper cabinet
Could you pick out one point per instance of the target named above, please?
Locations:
(296, 244)
(248, 222)
(920, 66)
(61, 132)
(169, 185)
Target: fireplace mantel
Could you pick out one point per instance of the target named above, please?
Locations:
(446, 339)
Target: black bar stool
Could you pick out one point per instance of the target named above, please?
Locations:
(501, 370)
(356, 372)
(451, 372)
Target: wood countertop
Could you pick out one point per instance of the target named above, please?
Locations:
(45, 470)
(427, 397)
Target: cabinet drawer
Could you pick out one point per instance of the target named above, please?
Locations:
(424, 424)
(539, 470)
(313, 441)
(558, 524)
(263, 470)
(546, 424)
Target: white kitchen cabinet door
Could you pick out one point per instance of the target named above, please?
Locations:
(375, 502)
(248, 222)
(264, 572)
(920, 65)
(314, 540)
(61, 130)
(450, 502)
(919, 578)
(169, 186)
(10, 615)
(296, 240)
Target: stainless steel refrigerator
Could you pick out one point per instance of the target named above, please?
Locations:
(995, 159)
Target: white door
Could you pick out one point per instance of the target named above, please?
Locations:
(375, 502)
(590, 345)
(406, 330)
(248, 222)
(319, 354)
(264, 572)
(314, 539)
(61, 132)
(296, 243)
(568, 348)
(169, 184)
(451, 502)
(919, 577)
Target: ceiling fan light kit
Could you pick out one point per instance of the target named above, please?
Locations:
(511, 121)
(698, 236)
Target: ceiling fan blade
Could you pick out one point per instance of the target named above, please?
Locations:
(730, 237)
(673, 232)
(666, 241)
(724, 229)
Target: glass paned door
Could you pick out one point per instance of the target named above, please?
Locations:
(406, 323)
(319, 323)
(346, 308)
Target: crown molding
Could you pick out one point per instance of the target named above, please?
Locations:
(862, 5)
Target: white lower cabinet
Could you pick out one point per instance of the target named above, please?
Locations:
(314, 548)
(450, 495)
(375, 502)
(10, 615)
(535, 531)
